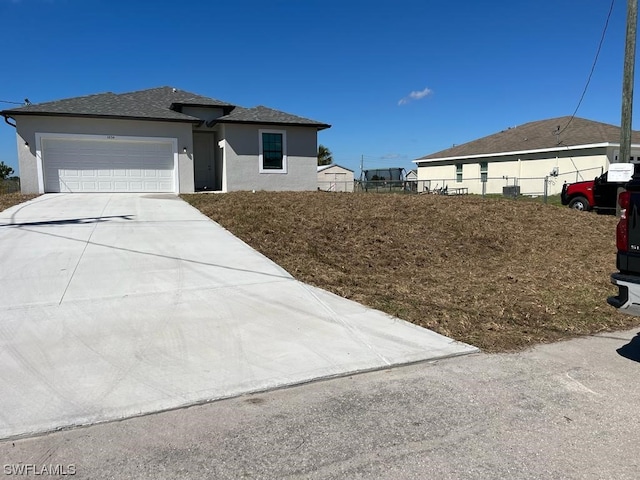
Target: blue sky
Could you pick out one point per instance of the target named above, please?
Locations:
(396, 80)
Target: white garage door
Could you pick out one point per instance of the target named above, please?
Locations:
(79, 165)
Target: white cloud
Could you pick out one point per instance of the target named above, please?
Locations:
(415, 95)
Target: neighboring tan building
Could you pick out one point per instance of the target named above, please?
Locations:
(526, 157)
(334, 178)
(161, 140)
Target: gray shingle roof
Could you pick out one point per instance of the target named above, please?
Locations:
(103, 105)
(167, 96)
(266, 115)
(161, 103)
(538, 135)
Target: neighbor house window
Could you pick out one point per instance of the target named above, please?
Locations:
(273, 151)
(484, 170)
(458, 172)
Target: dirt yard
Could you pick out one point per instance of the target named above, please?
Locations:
(497, 273)
(10, 199)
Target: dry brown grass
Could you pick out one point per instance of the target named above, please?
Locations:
(496, 273)
(10, 199)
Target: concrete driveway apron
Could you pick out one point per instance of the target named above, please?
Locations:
(117, 305)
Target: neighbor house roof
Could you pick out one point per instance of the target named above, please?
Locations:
(163, 103)
(325, 167)
(552, 134)
(267, 116)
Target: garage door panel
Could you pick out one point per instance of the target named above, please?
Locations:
(78, 165)
(70, 187)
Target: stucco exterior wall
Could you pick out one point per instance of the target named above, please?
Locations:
(28, 126)
(241, 163)
(526, 171)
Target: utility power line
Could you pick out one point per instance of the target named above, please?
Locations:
(593, 67)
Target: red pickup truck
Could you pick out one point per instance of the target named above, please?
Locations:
(597, 194)
(578, 195)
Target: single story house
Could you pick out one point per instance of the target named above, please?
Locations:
(525, 158)
(161, 140)
(335, 178)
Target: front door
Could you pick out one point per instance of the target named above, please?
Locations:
(203, 161)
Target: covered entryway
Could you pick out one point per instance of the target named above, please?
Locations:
(98, 163)
(207, 163)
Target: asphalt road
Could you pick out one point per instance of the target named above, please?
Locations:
(563, 411)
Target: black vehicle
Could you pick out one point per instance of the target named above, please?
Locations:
(605, 194)
(627, 279)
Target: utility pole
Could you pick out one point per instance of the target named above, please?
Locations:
(627, 81)
(362, 168)
(627, 86)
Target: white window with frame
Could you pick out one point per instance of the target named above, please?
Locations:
(458, 172)
(484, 171)
(272, 156)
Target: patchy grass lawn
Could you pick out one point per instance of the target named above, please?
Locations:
(497, 273)
(10, 199)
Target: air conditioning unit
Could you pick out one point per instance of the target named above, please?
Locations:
(511, 191)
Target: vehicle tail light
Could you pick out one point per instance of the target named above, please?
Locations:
(622, 230)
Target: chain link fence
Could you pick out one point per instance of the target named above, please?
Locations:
(509, 186)
(385, 186)
(336, 186)
(513, 187)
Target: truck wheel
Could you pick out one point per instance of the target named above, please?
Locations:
(579, 203)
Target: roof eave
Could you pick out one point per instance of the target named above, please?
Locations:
(93, 115)
(319, 126)
(203, 105)
(326, 167)
(519, 152)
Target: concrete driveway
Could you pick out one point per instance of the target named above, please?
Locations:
(117, 305)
